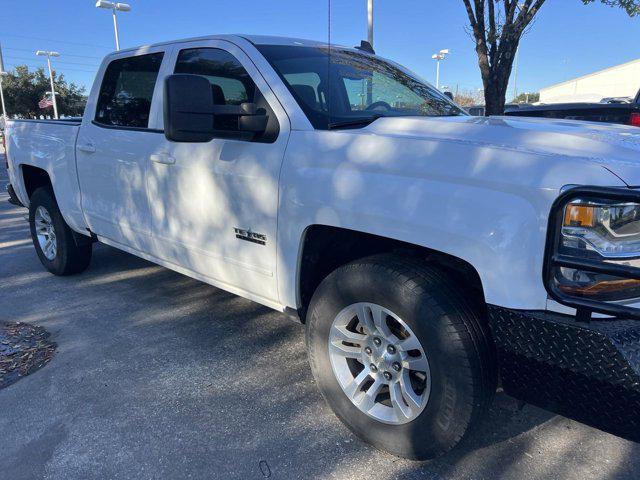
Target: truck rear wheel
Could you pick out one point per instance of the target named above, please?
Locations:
(53, 240)
(400, 356)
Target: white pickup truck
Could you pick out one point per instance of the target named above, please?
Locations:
(431, 255)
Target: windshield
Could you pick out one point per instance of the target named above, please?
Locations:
(351, 89)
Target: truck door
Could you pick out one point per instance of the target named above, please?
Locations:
(117, 137)
(214, 205)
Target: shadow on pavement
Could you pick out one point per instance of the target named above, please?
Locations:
(160, 376)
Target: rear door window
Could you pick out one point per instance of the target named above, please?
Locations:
(127, 90)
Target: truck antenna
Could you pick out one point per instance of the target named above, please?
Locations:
(365, 46)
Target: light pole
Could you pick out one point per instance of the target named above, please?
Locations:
(370, 22)
(515, 75)
(437, 57)
(122, 7)
(4, 108)
(45, 53)
(515, 70)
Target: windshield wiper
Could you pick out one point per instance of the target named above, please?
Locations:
(355, 122)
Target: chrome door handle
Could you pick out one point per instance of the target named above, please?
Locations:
(164, 158)
(87, 148)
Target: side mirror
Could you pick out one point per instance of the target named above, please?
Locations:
(449, 95)
(252, 119)
(188, 108)
(190, 114)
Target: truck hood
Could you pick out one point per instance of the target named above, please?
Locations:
(614, 147)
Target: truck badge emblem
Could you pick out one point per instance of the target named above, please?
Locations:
(250, 236)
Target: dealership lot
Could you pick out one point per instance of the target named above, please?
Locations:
(160, 376)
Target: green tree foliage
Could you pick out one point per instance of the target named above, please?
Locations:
(527, 98)
(632, 7)
(497, 27)
(23, 89)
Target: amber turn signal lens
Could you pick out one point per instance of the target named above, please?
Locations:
(577, 215)
(606, 286)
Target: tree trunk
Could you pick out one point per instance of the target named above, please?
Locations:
(495, 94)
(496, 80)
(497, 37)
(494, 102)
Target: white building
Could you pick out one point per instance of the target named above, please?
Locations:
(619, 81)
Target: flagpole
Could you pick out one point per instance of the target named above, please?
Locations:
(53, 88)
(45, 53)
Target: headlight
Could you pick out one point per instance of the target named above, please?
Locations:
(609, 230)
(593, 250)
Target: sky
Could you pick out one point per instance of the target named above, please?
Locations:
(568, 39)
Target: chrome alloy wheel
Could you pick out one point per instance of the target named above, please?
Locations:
(379, 363)
(46, 233)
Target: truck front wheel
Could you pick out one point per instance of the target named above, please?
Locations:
(58, 250)
(400, 356)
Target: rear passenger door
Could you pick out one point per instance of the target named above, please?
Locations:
(214, 205)
(118, 134)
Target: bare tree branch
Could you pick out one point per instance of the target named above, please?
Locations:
(472, 17)
(496, 46)
(493, 33)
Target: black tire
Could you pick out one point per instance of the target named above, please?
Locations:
(71, 256)
(456, 342)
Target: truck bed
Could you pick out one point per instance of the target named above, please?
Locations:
(48, 145)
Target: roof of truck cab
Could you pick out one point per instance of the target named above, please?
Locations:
(255, 39)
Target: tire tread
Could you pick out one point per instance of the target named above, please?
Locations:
(72, 257)
(465, 329)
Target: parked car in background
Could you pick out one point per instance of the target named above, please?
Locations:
(480, 110)
(617, 100)
(476, 110)
(428, 252)
(610, 110)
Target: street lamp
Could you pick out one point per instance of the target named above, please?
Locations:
(122, 7)
(441, 55)
(45, 53)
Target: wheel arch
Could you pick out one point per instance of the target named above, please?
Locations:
(324, 248)
(34, 178)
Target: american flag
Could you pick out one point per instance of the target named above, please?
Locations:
(46, 102)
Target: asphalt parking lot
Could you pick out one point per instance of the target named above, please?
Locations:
(160, 376)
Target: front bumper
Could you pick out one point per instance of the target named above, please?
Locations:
(587, 371)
